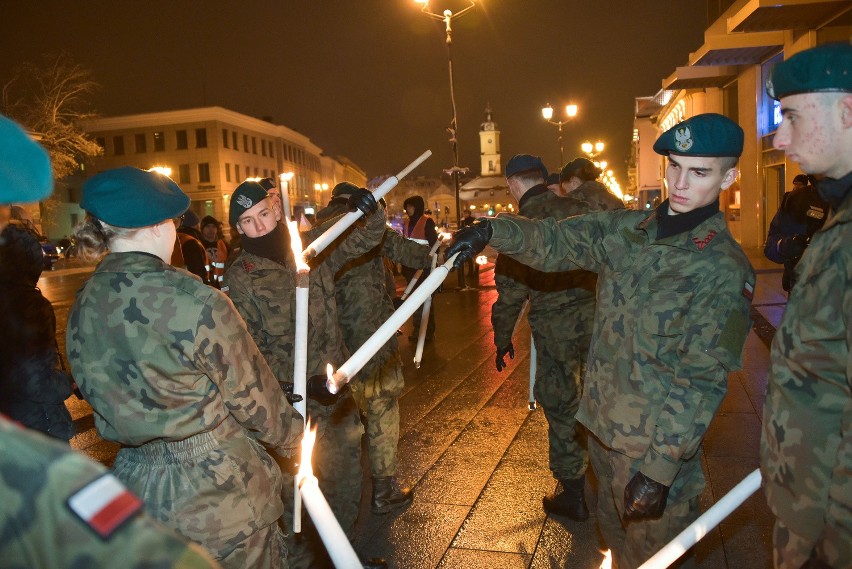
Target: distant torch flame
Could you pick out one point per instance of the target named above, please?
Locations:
(296, 246)
(607, 560)
(481, 260)
(308, 439)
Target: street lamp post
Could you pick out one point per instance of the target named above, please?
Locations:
(592, 150)
(570, 112)
(455, 171)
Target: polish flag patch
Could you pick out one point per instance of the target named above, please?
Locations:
(748, 290)
(104, 504)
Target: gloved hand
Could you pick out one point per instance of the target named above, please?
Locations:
(469, 242)
(815, 562)
(501, 353)
(363, 201)
(288, 393)
(644, 498)
(318, 391)
(793, 246)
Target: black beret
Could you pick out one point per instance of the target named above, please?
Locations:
(524, 162)
(579, 166)
(130, 197)
(246, 196)
(825, 68)
(709, 134)
(25, 174)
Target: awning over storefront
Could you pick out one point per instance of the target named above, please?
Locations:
(738, 49)
(771, 15)
(700, 77)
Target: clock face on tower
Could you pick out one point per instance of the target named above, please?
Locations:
(490, 141)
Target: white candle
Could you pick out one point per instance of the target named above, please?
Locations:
(419, 272)
(333, 537)
(285, 194)
(347, 220)
(424, 320)
(374, 343)
(700, 527)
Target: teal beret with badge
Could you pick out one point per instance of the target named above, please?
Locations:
(130, 197)
(708, 134)
(823, 69)
(245, 196)
(344, 189)
(25, 174)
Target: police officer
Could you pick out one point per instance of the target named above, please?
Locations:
(802, 213)
(806, 447)
(173, 375)
(262, 284)
(674, 293)
(364, 303)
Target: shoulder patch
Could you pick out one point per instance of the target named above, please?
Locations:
(104, 505)
(702, 243)
(748, 290)
(248, 266)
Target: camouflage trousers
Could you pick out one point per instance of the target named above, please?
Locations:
(378, 398)
(218, 488)
(336, 463)
(558, 381)
(633, 542)
(790, 550)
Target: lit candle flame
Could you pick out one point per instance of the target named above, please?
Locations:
(308, 440)
(481, 260)
(296, 246)
(607, 560)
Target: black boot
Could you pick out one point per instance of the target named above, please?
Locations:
(570, 502)
(388, 496)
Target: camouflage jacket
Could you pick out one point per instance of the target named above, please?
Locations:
(569, 293)
(363, 299)
(596, 196)
(159, 355)
(806, 448)
(671, 321)
(264, 292)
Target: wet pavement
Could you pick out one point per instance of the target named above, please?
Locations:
(477, 457)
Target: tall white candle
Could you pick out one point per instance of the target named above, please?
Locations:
(347, 220)
(374, 343)
(424, 319)
(333, 537)
(702, 526)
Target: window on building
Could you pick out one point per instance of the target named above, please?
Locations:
(271, 150)
(263, 146)
(201, 138)
(159, 141)
(141, 146)
(234, 140)
(265, 173)
(225, 140)
(253, 145)
(183, 173)
(245, 143)
(203, 172)
(255, 172)
(237, 173)
(227, 172)
(101, 141)
(118, 145)
(182, 143)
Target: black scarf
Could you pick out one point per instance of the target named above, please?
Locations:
(274, 246)
(668, 225)
(835, 191)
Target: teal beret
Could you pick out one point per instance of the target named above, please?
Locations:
(524, 162)
(246, 196)
(825, 68)
(130, 197)
(344, 189)
(709, 134)
(25, 174)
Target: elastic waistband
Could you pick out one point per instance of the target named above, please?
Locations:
(171, 452)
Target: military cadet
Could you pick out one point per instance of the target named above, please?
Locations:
(174, 376)
(674, 293)
(579, 180)
(562, 307)
(262, 284)
(25, 174)
(806, 447)
(364, 303)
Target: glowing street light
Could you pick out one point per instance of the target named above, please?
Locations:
(570, 112)
(592, 149)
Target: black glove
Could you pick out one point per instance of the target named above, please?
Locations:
(397, 302)
(501, 353)
(644, 498)
(363, 201)
(469, 242)
(815, 562)
(318, 391)
(288, 393)
(793, 247)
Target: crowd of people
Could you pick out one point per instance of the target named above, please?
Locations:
(637, 319)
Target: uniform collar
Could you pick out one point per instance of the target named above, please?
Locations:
(695, 239)
(536, 190)
(132, 262)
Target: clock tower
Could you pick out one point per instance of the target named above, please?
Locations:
(489, 146)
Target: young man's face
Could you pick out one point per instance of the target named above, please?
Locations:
(210, 231)
(696, 181)
(409, 209)
(259, 219)
(810, 132)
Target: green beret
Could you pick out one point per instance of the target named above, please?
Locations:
(247, 195)
(523, 163)
(25, 174)
(130, 197)
(825, 68)
(709, 134)
(344, 189)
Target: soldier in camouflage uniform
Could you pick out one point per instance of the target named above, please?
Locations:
(561, 343)
(579, 180)
(262, 284)
(174, 376)
(806, 447)
(364, 302)
(38, 527)
(674, 293)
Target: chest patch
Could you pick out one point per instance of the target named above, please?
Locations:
(248, 266)
(702, 243)
(748, 290)
(104, 504)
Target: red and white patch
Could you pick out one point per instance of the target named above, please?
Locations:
(248, 266)
(748, 290)
(104, 504)
(702, 243)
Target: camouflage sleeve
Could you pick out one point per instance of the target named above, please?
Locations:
(228, 354)
(405, 251)
(555, 245)
(359, 241)
(512, 291)
(714, 334)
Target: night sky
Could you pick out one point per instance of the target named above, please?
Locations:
(368, 79)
